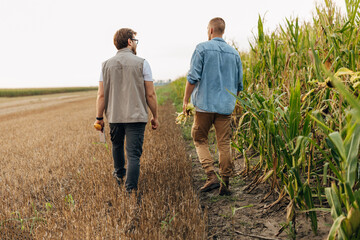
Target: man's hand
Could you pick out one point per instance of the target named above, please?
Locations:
(101, 123)
(189, 88)
(100, 105)
(154, 123)
(185, 103)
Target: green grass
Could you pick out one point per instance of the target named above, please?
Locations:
(163, 94)
(21, 92)
(173, 92)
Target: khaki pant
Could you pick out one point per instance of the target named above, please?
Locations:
(200, 130)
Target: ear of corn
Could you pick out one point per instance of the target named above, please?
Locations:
(97, 127)
(182, 117)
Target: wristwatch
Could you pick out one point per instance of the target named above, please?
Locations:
(99, 118)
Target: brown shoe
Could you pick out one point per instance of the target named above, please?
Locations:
(225, 187)
(211, 183)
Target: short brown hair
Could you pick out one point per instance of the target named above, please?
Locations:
(121, 37)
(218, 24)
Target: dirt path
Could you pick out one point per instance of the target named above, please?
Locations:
(253, 221)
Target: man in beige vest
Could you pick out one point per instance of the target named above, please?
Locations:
(126, 90)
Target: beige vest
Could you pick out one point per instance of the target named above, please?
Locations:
(124, 88)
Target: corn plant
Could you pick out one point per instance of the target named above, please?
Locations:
(292, 116)
(274, 129)
(343, 199)
(25, 221)
(343, 196)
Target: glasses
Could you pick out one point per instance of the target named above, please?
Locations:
(135, 40)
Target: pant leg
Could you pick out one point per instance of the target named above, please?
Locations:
(223, 137)
(134, 141)
(199, 133)
(117, 133)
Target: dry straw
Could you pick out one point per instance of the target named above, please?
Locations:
(55, 183)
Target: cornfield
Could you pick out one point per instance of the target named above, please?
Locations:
(299, 113)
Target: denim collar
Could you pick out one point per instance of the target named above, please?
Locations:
(218, 39)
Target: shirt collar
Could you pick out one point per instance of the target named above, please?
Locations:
(218, 39)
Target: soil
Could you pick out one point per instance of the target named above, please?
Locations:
(253, 221)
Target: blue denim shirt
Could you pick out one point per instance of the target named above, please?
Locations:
(215, 68)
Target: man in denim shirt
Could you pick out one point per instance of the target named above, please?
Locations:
(215, 71)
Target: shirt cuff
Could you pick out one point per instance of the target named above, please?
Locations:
(191, 81)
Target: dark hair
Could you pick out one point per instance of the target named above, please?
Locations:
(218, 24)
(121, 37)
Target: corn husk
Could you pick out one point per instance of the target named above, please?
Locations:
(182, 118)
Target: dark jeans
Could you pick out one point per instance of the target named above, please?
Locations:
(134, 133)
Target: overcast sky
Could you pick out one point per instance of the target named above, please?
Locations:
(54, 43)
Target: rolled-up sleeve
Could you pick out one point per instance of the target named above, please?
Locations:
(240, 85)
(196, 67)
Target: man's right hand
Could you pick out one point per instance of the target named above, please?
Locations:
(154, 123)
(189, 88)
(185, 103)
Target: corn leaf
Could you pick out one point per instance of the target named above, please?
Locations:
(356, 85)
(334, 151)
(350, 194)
(295, 172)
(357, 196)
(338, 142)
(290, 190)
(268, 174)
(315, 210)
(325, 173)
(336, 172)
(299, 141)
(334, 202)
(335, 227)
(316, 116)
(343, 71)
(352, 158)
(310, 204)
(295, 105)
(307, 126)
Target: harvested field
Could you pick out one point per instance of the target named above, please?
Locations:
(56, 180)
(19, 92)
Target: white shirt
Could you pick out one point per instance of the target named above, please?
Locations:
(146, 73)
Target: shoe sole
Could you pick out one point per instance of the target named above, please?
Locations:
(211, 187)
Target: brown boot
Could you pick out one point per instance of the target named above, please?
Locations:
(224, 187)
(211, 183)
